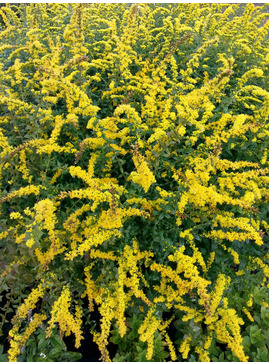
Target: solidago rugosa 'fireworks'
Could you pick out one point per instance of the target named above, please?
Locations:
(134, 171)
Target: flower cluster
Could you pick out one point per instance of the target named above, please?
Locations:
(134, 173)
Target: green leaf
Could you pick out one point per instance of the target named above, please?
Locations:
(118, 358)
(256, 337)
(221, 357)
(54, 352)
(263, 354)
(265, 315)
(246, 341)
(3, 357)
(71, 356)
(142, 355)
(57, 342)
(42, 343)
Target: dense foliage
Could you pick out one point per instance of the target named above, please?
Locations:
(134, 174)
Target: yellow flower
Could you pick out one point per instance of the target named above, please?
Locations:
(67, 322)
(15, 215)
(250, 301)
(203, 355)
(91, 289)
(122, 299)
(147, 330)
(185, 347)
(216, 296)
(18, 341)
(144, 177)
(247, 313)
(30, 302)
(171, 347)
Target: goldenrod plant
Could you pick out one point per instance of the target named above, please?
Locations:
(134, 175)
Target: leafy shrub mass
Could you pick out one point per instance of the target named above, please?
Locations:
(134, 175)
